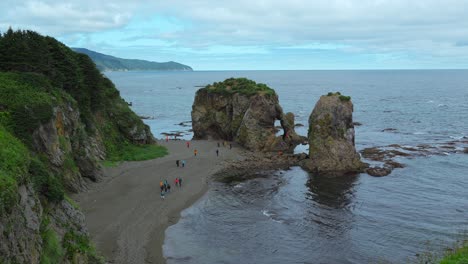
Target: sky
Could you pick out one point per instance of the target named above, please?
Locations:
(259, 34)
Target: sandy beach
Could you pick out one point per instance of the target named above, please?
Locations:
(125, 214)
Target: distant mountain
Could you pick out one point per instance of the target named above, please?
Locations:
(110, 63)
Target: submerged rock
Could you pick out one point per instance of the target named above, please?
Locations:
(245, 112)
(331, 137)
(379, 171)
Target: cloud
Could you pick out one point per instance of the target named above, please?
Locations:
(393, 28)
(56, 17)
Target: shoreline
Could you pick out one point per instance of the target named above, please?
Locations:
(124, 212)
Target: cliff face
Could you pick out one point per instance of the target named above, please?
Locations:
(59, 117)
(331, 137)
(242, 111)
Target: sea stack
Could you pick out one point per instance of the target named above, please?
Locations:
(245, 112)
(331, 137)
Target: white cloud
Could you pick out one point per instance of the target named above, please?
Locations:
(430, 28)
(56, 18)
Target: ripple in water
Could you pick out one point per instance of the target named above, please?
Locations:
(294, 217)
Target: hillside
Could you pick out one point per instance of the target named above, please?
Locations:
(110, 63)
(60, 118)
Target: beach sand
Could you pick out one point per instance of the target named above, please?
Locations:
(125, 214)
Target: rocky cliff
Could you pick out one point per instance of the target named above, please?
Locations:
(59, 117)
(331, 137)
(245, 112)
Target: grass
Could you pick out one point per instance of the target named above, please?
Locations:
(457, 256)
(110, 163)
(52, 251)
(14, 162)
(75, 243)
(241, 86)
(345, 98)
(136, 153)
(71, 201)
(342, 98)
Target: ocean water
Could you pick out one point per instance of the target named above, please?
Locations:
(293, 217)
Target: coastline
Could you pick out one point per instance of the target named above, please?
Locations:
(125, 214)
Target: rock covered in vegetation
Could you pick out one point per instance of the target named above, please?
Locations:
(331, 137)
(59, 116)
(243, 111)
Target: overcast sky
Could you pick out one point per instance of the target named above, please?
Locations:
(258, 34)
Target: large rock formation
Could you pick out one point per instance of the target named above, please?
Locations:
(331, 137)
(59, 117)
(243, 111)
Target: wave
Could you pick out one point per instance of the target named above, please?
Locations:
(458, 137)
(239, 185)
(419, 133)
(267, 213)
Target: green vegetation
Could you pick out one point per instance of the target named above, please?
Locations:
(75, 243)
(457, 256)
(342, 98)
(14, 162)
(44, 84)
(110, 63)
(345, 98)
(52, 251)
(44, 182)
(136, 153)
(72, 202)
(25, 107)
(241, 86)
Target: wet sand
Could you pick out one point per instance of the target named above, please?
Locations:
(125, 214)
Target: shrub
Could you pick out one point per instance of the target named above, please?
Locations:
(74, 243)
(14, 161)
(240, 85)
(28, 106)
(345, 98)
(8, 193)
(44, 182)
(52, 251)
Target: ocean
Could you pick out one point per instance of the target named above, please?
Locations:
(293, 217)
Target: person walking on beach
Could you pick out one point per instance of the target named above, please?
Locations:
(195, 152)
(188, 144)
(168, 187)
(167, 138)
(176, 181)
(180, 182)
(217, 153)
(183, 163)
(177, 163)
(162, 191)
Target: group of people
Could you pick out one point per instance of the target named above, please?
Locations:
(180, 163)
(166, 187)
